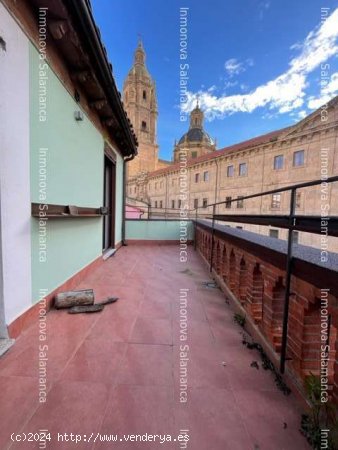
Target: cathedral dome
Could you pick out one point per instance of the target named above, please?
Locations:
(195, 142)
(196, 132)
(196, 135)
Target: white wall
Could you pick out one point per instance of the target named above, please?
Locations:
(14, 168)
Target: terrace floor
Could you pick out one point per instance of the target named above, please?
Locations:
(117, 372)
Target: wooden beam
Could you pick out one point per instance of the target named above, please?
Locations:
(109, 122)
(98, 104)
(81, 76)
(58, 28)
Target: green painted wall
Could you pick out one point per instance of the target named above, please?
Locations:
(75, 149)
(74, 176)
(71, 245)
(156, 230)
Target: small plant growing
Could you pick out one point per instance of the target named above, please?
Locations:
(267, 364)
(238, 318)
(322, 416)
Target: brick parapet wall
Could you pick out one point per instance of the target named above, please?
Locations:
(258, 286)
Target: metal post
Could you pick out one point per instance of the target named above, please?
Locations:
(195, 240)
(289, 264)
(212, 238)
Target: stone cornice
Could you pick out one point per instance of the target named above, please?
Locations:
(281, 143)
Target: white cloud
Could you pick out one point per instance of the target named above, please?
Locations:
(284, 93)
(230, 84)
(244, 87)
(296, 46)
(235, 67)
(329, 90)
(212, 88)
(263, 7)
(302, 114)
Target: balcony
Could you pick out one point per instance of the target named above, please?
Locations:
(196, 343)
(118, 371)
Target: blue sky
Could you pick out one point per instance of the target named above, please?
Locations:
(255, 65)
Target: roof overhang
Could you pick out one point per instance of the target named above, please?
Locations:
(72, 29)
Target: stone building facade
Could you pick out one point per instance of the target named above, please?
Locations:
(303, 152)
(140, 102)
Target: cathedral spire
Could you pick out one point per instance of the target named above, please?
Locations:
(140, 54)
(139, 98)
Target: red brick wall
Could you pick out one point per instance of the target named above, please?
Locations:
(259, 287)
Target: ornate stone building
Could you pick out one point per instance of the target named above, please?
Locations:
(195, 142)
(139, 98)
(302, 152)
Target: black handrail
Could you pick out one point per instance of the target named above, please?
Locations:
(291, 225)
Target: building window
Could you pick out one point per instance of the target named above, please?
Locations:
(144, 95)
(197, 177)
(298, 158)
(298, 199)
(156, 204)
(179, 204)
(228, 202)
(161, 204)
(242, 169)
(173, 204)
(240, 202)
(144, 125)
(194, 154)
(135, 190)
(230, 171)
(295, 237)
(275, 201)
(274, 233)
(278, 162)
(206, 176)
(205, 202)
(196, 203)
(173, 182)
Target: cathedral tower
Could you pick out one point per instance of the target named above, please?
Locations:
(139, 98)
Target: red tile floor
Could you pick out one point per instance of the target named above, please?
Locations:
(117, 372)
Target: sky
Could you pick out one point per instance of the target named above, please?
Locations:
(255, 65)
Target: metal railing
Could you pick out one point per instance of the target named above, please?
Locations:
(292, 222)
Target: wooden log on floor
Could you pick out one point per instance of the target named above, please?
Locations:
(74, 298)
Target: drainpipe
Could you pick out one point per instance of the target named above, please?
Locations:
(3, 326)
(124, 194)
